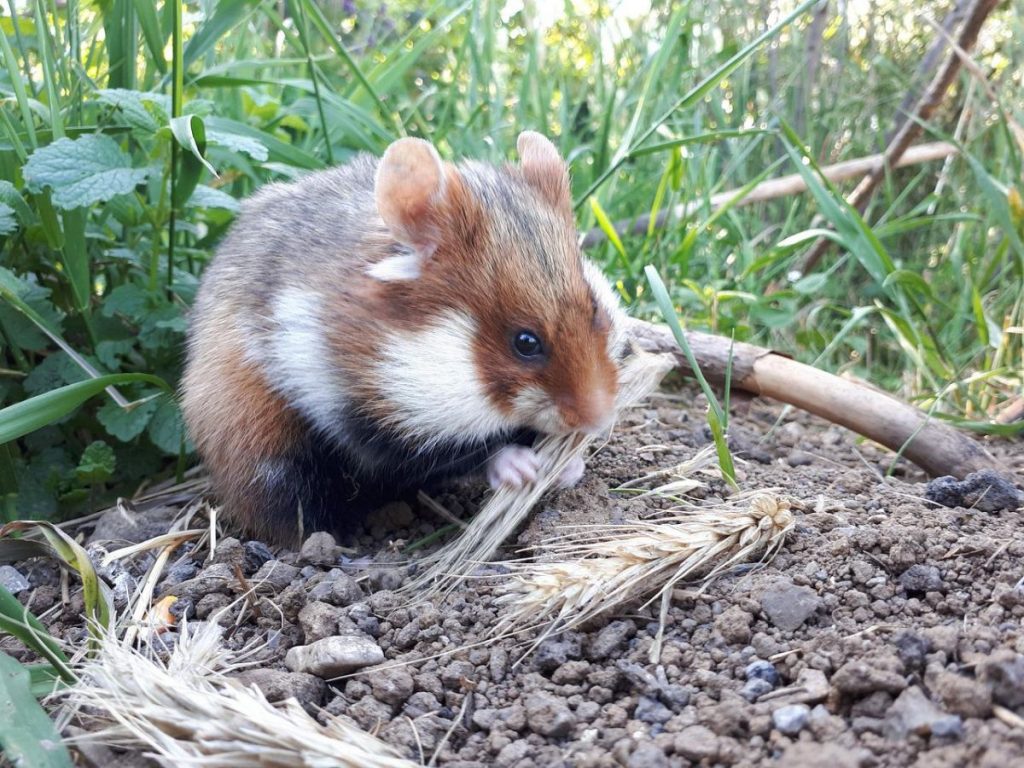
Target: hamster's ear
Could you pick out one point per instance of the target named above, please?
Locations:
(545, 170)
(410, 189)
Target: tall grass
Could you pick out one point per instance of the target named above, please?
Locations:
(130, 129)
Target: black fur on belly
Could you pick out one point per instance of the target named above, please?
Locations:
(338, 485)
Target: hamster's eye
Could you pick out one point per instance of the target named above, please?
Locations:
(527, 344)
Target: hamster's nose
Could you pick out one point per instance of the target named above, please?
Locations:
(593, 413)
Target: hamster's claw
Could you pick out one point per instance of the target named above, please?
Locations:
(513, 466)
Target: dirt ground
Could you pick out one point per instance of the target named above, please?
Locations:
(886, 632)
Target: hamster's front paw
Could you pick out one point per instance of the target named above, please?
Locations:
(513, 466)
(572, 473)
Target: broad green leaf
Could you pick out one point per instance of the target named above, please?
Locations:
(8, 222)
(21, 418)
(127, 299)
(167, 429)
(97, 464)
(82, 171)
(126, 423)
(190, 133)
(111, 351)
(27, 735)
(54, 371)
(247, 145)
(208, 197)
(143, 111)
(28, 305)
(11, 197)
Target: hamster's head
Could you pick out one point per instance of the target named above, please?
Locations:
(516, 328)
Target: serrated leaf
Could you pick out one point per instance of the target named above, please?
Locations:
(27, 735)
(246, 145)
(83, 171)
(54, 371)
(126, 423)
(8, 222)
(167, 427)
(97, 464)
(162, 327)
(9, 195)
(19, 328)
(208, 197)
(110, 351)
(141, 110)
(128, 299)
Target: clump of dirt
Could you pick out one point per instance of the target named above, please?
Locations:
(887, 631)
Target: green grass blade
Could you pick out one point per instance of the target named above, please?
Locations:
(18, 622)
(145, 10)
(29, 415)
(27, 735)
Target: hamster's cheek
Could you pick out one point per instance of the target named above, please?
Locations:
(533, 407)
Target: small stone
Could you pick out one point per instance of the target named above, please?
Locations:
(571, 673)
(12, 580)
(1004, 676)
(318, 620)
(256, 554)
(393, 685)
(986, 491)
(456, 674)
(319, 549)
(334, 656)
(697, 743)
(209, 604)
(513, 753)
(810, 754)
(754, 689)
(811, 686)
(788, 606)
(791, 719)
(733, 624)
(949, 727)
(962, 695)
(230, 552)
(386, 579)
(555, 651)
(611, 639)
(921, 578)
(859, 678)
(762, 670)
(647, 755)
(369, 713)
(911, 649)
(549, 716)
(273, 576)
(345, 590)
(649, 710)
(484, 719)
(911, 713)
(421, 703)
(277, 686)
(123, 524)
(799, 459)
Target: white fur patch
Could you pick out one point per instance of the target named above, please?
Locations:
(533, 406)
(405, 266)
(297, 361)
(607, 299)
(430, 379)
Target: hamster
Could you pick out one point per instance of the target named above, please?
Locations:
(382, 326)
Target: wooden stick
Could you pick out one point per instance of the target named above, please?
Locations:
(773, 188)
(935, 447)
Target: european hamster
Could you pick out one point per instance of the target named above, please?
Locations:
(388, 324)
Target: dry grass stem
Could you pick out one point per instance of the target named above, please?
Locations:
(603, 567)
(188, 711)
(507, 508)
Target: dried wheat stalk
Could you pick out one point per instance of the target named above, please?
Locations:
(507, 508)
(188, 711)
(603, 567)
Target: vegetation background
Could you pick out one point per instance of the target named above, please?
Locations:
(130, 129)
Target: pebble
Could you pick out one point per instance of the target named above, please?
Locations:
(555, 651)
(986, 491)
(319, 549)
(911, 649)
(920, 578)
(962, 695)
(334, 656)
(256, 554)
(611, 639)
(733, 624)
(911, 713)
(318, 620)
(650, 710)
(697, 742)
(277, 685)
(393, 685)
(549, 716)
(1003, 674)
(12, 580)
(647, 755)
(762, 670)
(799, 459)
(788, 606)
(859, 678)
(791, 719)
(755, 688)
(274, 576)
